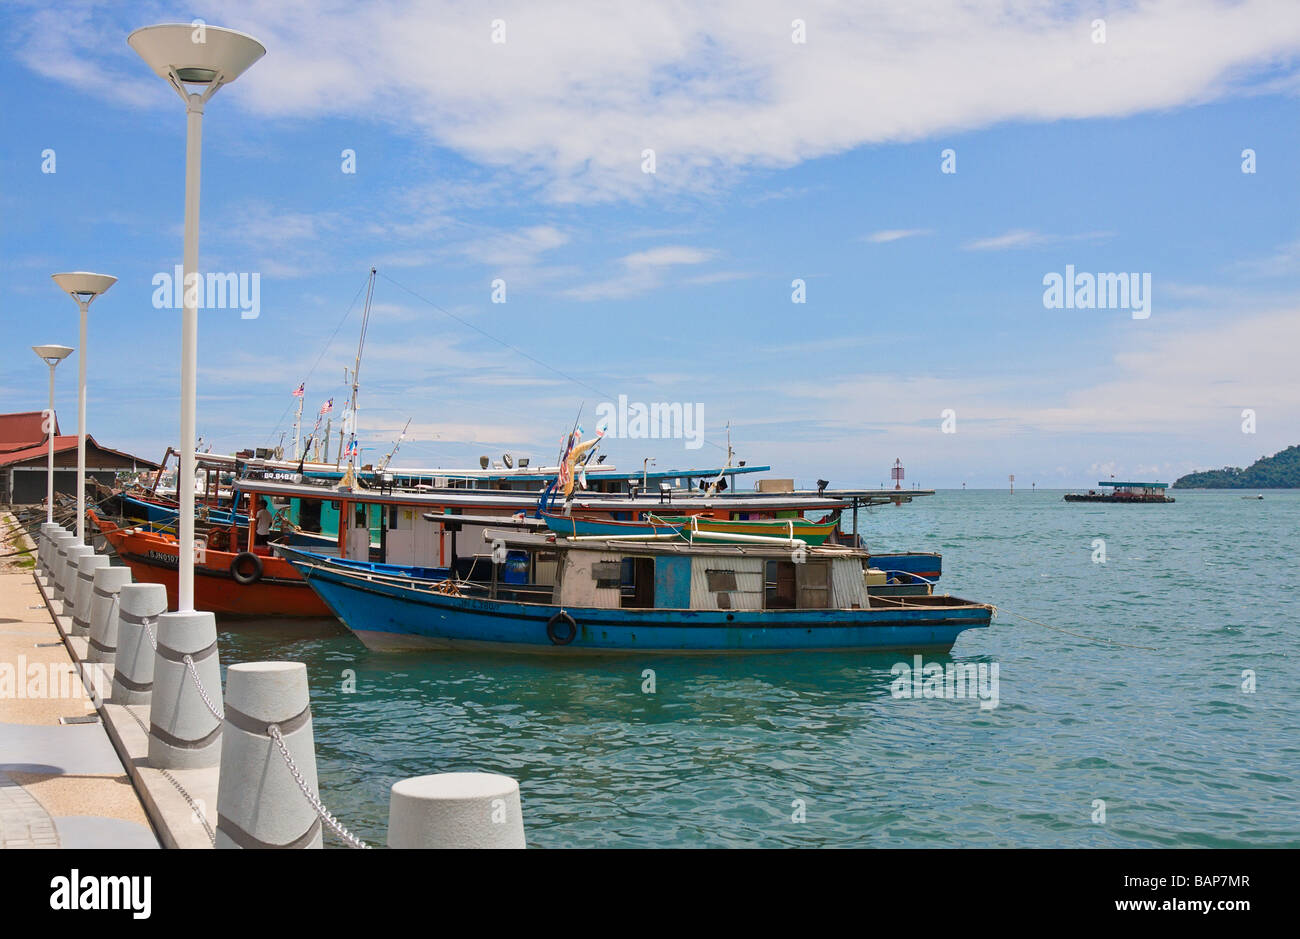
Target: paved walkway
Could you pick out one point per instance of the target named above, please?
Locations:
(61, 784)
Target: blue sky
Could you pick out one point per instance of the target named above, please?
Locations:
(775, 161)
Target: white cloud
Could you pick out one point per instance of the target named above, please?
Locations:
(515, 249)
(642, 271)
(570, 100)
(895, 234)
(1021, 238)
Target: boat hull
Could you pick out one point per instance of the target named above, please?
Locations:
(390, 616)
(152, 558)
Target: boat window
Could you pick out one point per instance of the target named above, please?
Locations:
(607, 574)
(721, 580)
(779, 593)
(638, 583)
(309, 515)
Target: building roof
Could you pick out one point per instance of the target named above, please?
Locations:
(22, 439)
(23, 429)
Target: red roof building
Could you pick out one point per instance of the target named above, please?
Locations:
(24, 455)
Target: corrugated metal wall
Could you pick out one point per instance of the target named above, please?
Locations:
(848, 590)
(748, 594)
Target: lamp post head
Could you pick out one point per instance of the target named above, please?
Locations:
(196, 54)
(52, 355)
(84, 286)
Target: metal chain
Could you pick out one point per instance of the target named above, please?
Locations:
(189, 665)
(203, 819)
(212, 836)
(351, 840)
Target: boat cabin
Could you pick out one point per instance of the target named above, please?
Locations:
(669, 575)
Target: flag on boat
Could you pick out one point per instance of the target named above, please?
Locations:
(351, 451)
(302, 389)
(327, 406)
(575, 449)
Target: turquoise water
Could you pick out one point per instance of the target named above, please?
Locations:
(717, 756)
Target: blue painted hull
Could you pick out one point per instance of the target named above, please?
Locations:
(165, 514)
(388, 614)
(901, 568)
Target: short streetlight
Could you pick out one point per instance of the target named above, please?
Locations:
(83, 287)
(205, 57)
(51, 356)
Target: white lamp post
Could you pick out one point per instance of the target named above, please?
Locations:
(51, 356)
(83, 287)
(206, 57)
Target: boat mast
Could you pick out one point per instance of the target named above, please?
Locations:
(297, 425)
(350, 477)
(383, 464)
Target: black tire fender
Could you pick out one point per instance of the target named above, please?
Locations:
(238, 564)
(560, 634)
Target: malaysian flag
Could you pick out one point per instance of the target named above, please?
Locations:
(327, 406)
(301, 390)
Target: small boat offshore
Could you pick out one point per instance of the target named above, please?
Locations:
(1127, 493)
(592, 595)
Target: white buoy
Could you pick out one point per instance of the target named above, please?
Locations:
(67, 582)
(456, 810)
(103, 612)
(259, 804)
(138, 609)
(183, 732)
(84, 592)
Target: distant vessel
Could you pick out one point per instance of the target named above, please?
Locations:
(1123, 492)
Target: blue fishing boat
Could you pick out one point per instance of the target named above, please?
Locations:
(556, 595)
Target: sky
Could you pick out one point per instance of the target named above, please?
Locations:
(829, 227)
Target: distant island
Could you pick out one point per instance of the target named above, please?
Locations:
(1279, 471)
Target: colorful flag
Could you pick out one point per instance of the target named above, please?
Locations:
(302, 389)
(327, 406)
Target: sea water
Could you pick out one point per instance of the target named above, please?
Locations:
(1174, 723)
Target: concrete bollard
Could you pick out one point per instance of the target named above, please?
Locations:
(183, 733)
(259, 805)
(57, 538)
(58, 557)
(48, 531)
(138, 609)
(84, 592)
(456, 810)
(103, 612)
(67, 583)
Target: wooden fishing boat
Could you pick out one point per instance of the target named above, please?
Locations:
(228, 579)
(616, 596)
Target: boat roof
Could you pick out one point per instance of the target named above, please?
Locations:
(505, 499)
(550, 541)
(1142, 485)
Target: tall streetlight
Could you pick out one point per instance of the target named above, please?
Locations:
(51, 356)
(205, 57)
(83, 287)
